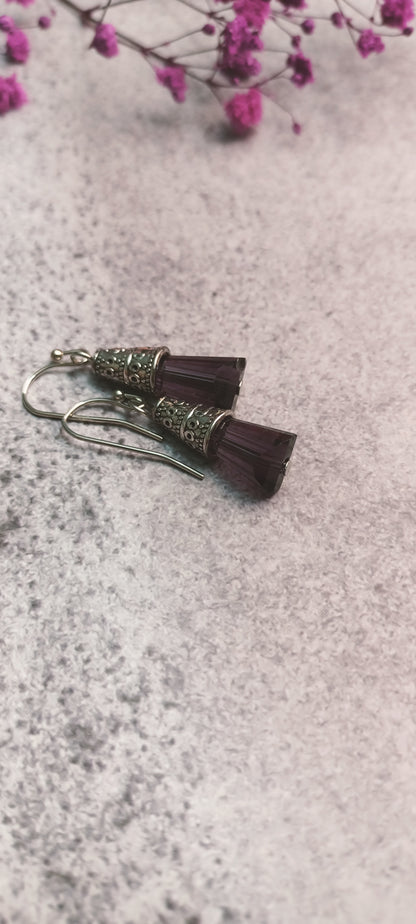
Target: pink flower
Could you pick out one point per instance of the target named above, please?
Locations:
(302, 69)
(17, 94)
(244, 110)
(308, 26)
(255, 12)
(22, 2)
(369, 42)
(7, 24)
(337, 20)
(44, 22)
(174, 79)
(105, 40)
(238, 42)
(397, 13)
(17, 46)
(12, 94)
(209, 28)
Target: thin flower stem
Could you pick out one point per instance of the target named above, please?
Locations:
(179, 38)
(350, 27)
(123, 2)
(294, 17)
(197, 67)
(355, 8)
(279, 105)
(261, 83)
(279, 26)
(190, 54)
(105, 8)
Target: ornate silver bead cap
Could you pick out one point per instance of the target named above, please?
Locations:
(130, 367)
(193, 424)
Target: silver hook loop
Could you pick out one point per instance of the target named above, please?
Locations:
(77, 358)
(72, 415)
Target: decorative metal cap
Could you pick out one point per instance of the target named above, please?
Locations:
(136, 367)
(193, 425)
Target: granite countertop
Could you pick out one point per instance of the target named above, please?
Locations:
(208, 701)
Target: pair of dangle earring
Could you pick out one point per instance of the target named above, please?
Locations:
(191, 397)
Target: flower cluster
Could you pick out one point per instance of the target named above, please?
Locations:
(105, 40)
(16, 51)
(174, 79)
(12, 94)
(235, 57)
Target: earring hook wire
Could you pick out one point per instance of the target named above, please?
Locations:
(73, 415)
(78, 358)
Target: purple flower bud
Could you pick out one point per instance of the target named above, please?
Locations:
(17, 46)
(302, 69)
(238, 43)
(308, 26)
(12, 94)
(7, 24)
(369, 42)
(397, 13)
(105, 40)
(174, 79)
(255, 12)
(17, 94)
(244, 110)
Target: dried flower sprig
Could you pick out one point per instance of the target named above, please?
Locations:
(234, 51)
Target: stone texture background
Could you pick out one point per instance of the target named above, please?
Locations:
(208, 703)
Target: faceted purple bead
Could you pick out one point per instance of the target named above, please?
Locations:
(254, 457)
(213, 381)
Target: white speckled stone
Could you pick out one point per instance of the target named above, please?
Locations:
(208, 703)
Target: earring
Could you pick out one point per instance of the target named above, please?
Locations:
(79, 358)
(255, 456)
(212, 380)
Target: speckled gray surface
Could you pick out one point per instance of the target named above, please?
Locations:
(208, 704)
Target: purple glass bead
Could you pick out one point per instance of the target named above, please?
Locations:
(255, 457)
(209, 380)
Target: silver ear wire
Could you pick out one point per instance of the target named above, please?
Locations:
(77, 358)
(81, 358)
(73, 415)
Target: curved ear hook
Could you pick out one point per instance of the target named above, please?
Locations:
(77, 358)
(72, 415)
(80, 358)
